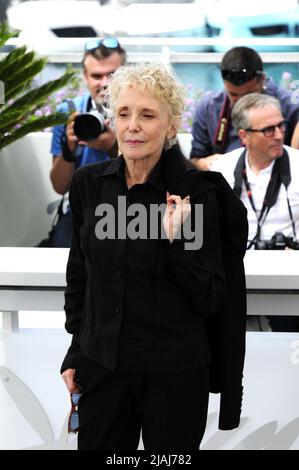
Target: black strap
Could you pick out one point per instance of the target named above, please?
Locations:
(238, 173)
(280, 174)
(71, 105)
(68, 156)
(285, 175)
(223, 124)
(285, 172)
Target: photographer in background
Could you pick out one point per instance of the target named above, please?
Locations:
(101, 58)
(242, 72)
(266, 177)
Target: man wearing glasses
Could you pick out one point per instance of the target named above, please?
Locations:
(213, 133)
(265, 175)
(101, 58)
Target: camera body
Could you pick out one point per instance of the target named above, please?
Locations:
(89, 126)
(278, 242)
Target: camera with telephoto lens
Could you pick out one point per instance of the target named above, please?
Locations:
(278, 242)
(89, 126)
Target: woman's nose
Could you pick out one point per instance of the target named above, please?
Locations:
(134, 123)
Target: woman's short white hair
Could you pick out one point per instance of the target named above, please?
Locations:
(154, 78)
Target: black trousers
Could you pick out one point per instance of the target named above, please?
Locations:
(170, 409)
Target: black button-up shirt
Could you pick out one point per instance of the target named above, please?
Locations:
(139, 304)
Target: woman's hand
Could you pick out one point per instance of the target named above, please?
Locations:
(69, 378)
(176, 213)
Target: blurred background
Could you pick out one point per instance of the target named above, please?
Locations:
(54, 27)
(221, 19)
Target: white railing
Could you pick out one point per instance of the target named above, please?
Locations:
(34, 279)
(34, 403)
(168, 44)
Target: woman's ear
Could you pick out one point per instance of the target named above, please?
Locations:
(172, 131)
(171, 139)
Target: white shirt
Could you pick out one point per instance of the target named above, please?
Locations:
(278, 218)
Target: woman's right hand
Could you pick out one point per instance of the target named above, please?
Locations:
(69, 378)
(177, 211)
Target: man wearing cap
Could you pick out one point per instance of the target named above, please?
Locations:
(212, 132)
(101, 58)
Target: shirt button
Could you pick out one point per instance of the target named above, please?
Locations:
(118, 274)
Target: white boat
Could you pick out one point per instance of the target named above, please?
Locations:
(75, 20)
(259, 20)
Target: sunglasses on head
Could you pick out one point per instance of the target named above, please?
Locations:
(110, 43)
(239, 77)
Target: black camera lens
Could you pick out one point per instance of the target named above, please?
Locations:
(89, 126)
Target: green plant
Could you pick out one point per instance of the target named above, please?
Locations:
(74, 88)
(22, 100)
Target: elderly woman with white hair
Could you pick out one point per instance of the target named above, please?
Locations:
(147, 281)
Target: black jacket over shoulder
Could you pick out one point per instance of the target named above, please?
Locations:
(188, 307)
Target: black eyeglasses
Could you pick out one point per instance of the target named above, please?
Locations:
(73, 423)
(110, 43)
(239, 77)
(269, 131)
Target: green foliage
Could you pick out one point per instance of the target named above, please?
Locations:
(23, 99)
(5, 34)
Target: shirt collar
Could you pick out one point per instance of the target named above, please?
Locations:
(115, 166)
(265, 171)
(171, 167)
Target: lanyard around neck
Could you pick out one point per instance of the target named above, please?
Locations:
(280, 174)
(267, 201)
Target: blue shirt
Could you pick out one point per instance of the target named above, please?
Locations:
(207, 115)
(85, 154)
